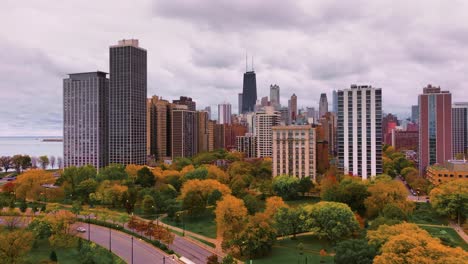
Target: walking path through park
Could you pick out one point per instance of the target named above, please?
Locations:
(460, 231)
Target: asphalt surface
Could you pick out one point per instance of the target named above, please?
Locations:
(190, 250)
(143, 253)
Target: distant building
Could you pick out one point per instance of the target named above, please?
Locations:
(460, 129)
(231, 132)
(435, 127)
(219, 137)
(127, 103)
(323, 105)
(240, 103)
(247, 144)
(158, 117)
(389, 122)
(294, 151)
(284, 116)
(293, 108)
(264, 101)
(208, 110)
(184, 100)
(335, 102)
(249, 92)
(360, 131)
(415, 113)
(404, 140)
(322, 150)
(224, 113)
(85, 119)
(184, 135)
(202, 131)
(451, 170)
(264, 121)
(328, 122)
(275, 96)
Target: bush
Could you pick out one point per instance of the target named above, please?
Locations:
(53, 256)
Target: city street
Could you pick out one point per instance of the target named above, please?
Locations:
(143, 253)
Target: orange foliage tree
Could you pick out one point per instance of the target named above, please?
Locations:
(387, 192)
(29, 184)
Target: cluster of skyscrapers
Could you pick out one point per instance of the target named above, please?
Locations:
(111, 120)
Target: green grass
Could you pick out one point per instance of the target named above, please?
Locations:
(425, 214)
(64, 255)
(204, 225)
(303, 201)
(285, 251)
(447, 235)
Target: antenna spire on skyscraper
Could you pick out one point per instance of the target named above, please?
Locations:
(252, 64)
(246, 68)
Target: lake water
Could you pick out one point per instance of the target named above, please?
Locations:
(32, 146)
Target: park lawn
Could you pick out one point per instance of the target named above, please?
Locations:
(425, 214)
(285, 251)
(447, 235)
(64, 255)
(204, 225)
(303, 201)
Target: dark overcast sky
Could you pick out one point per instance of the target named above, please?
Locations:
(197, 48)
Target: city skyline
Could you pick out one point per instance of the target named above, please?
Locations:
(204, 51)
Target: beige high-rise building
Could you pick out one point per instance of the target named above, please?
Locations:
(211, 135)
(157, 120)
(264, 121)
(203, 135)
(294, 151)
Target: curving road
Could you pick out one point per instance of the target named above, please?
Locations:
(143, 253)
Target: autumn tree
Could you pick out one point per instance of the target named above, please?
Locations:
(272, 205)
(21, 162)
(132, 170)
(109, 193)
(14, 245)
(331, 220)
(387, 192)
(12, 219)
(63, 232)
(195, 193)
(451, 199)
(214, 172)
(286, 186)
(231, 216)
(258, 236)
(407, 243)
(29, 184)
(291, 221)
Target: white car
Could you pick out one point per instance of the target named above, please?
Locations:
(81, 229)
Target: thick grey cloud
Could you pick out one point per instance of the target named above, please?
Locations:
(197, 48)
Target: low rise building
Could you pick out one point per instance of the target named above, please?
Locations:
(451, 170)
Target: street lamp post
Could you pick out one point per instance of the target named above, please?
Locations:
(132, 249)
(110, 239)
(89, 227)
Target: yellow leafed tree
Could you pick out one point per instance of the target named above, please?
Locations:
(29, 184)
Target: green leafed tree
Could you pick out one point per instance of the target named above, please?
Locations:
(331, 220)
(355, 251)
(290, 220)
(286, 186)
(145, 178)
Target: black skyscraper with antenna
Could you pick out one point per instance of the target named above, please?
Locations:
(249, 90)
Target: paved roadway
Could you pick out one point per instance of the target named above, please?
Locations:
(143, 253)
(192, 251)
(411, 197)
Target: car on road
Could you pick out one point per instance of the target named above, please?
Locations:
(81, 229)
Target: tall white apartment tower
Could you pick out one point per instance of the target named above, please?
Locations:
(224, 113)
(265, 120)
(360, 131)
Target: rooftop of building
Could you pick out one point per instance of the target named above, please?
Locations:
(292, 127)
(86, 75)
(452, 165)
(128, 43)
